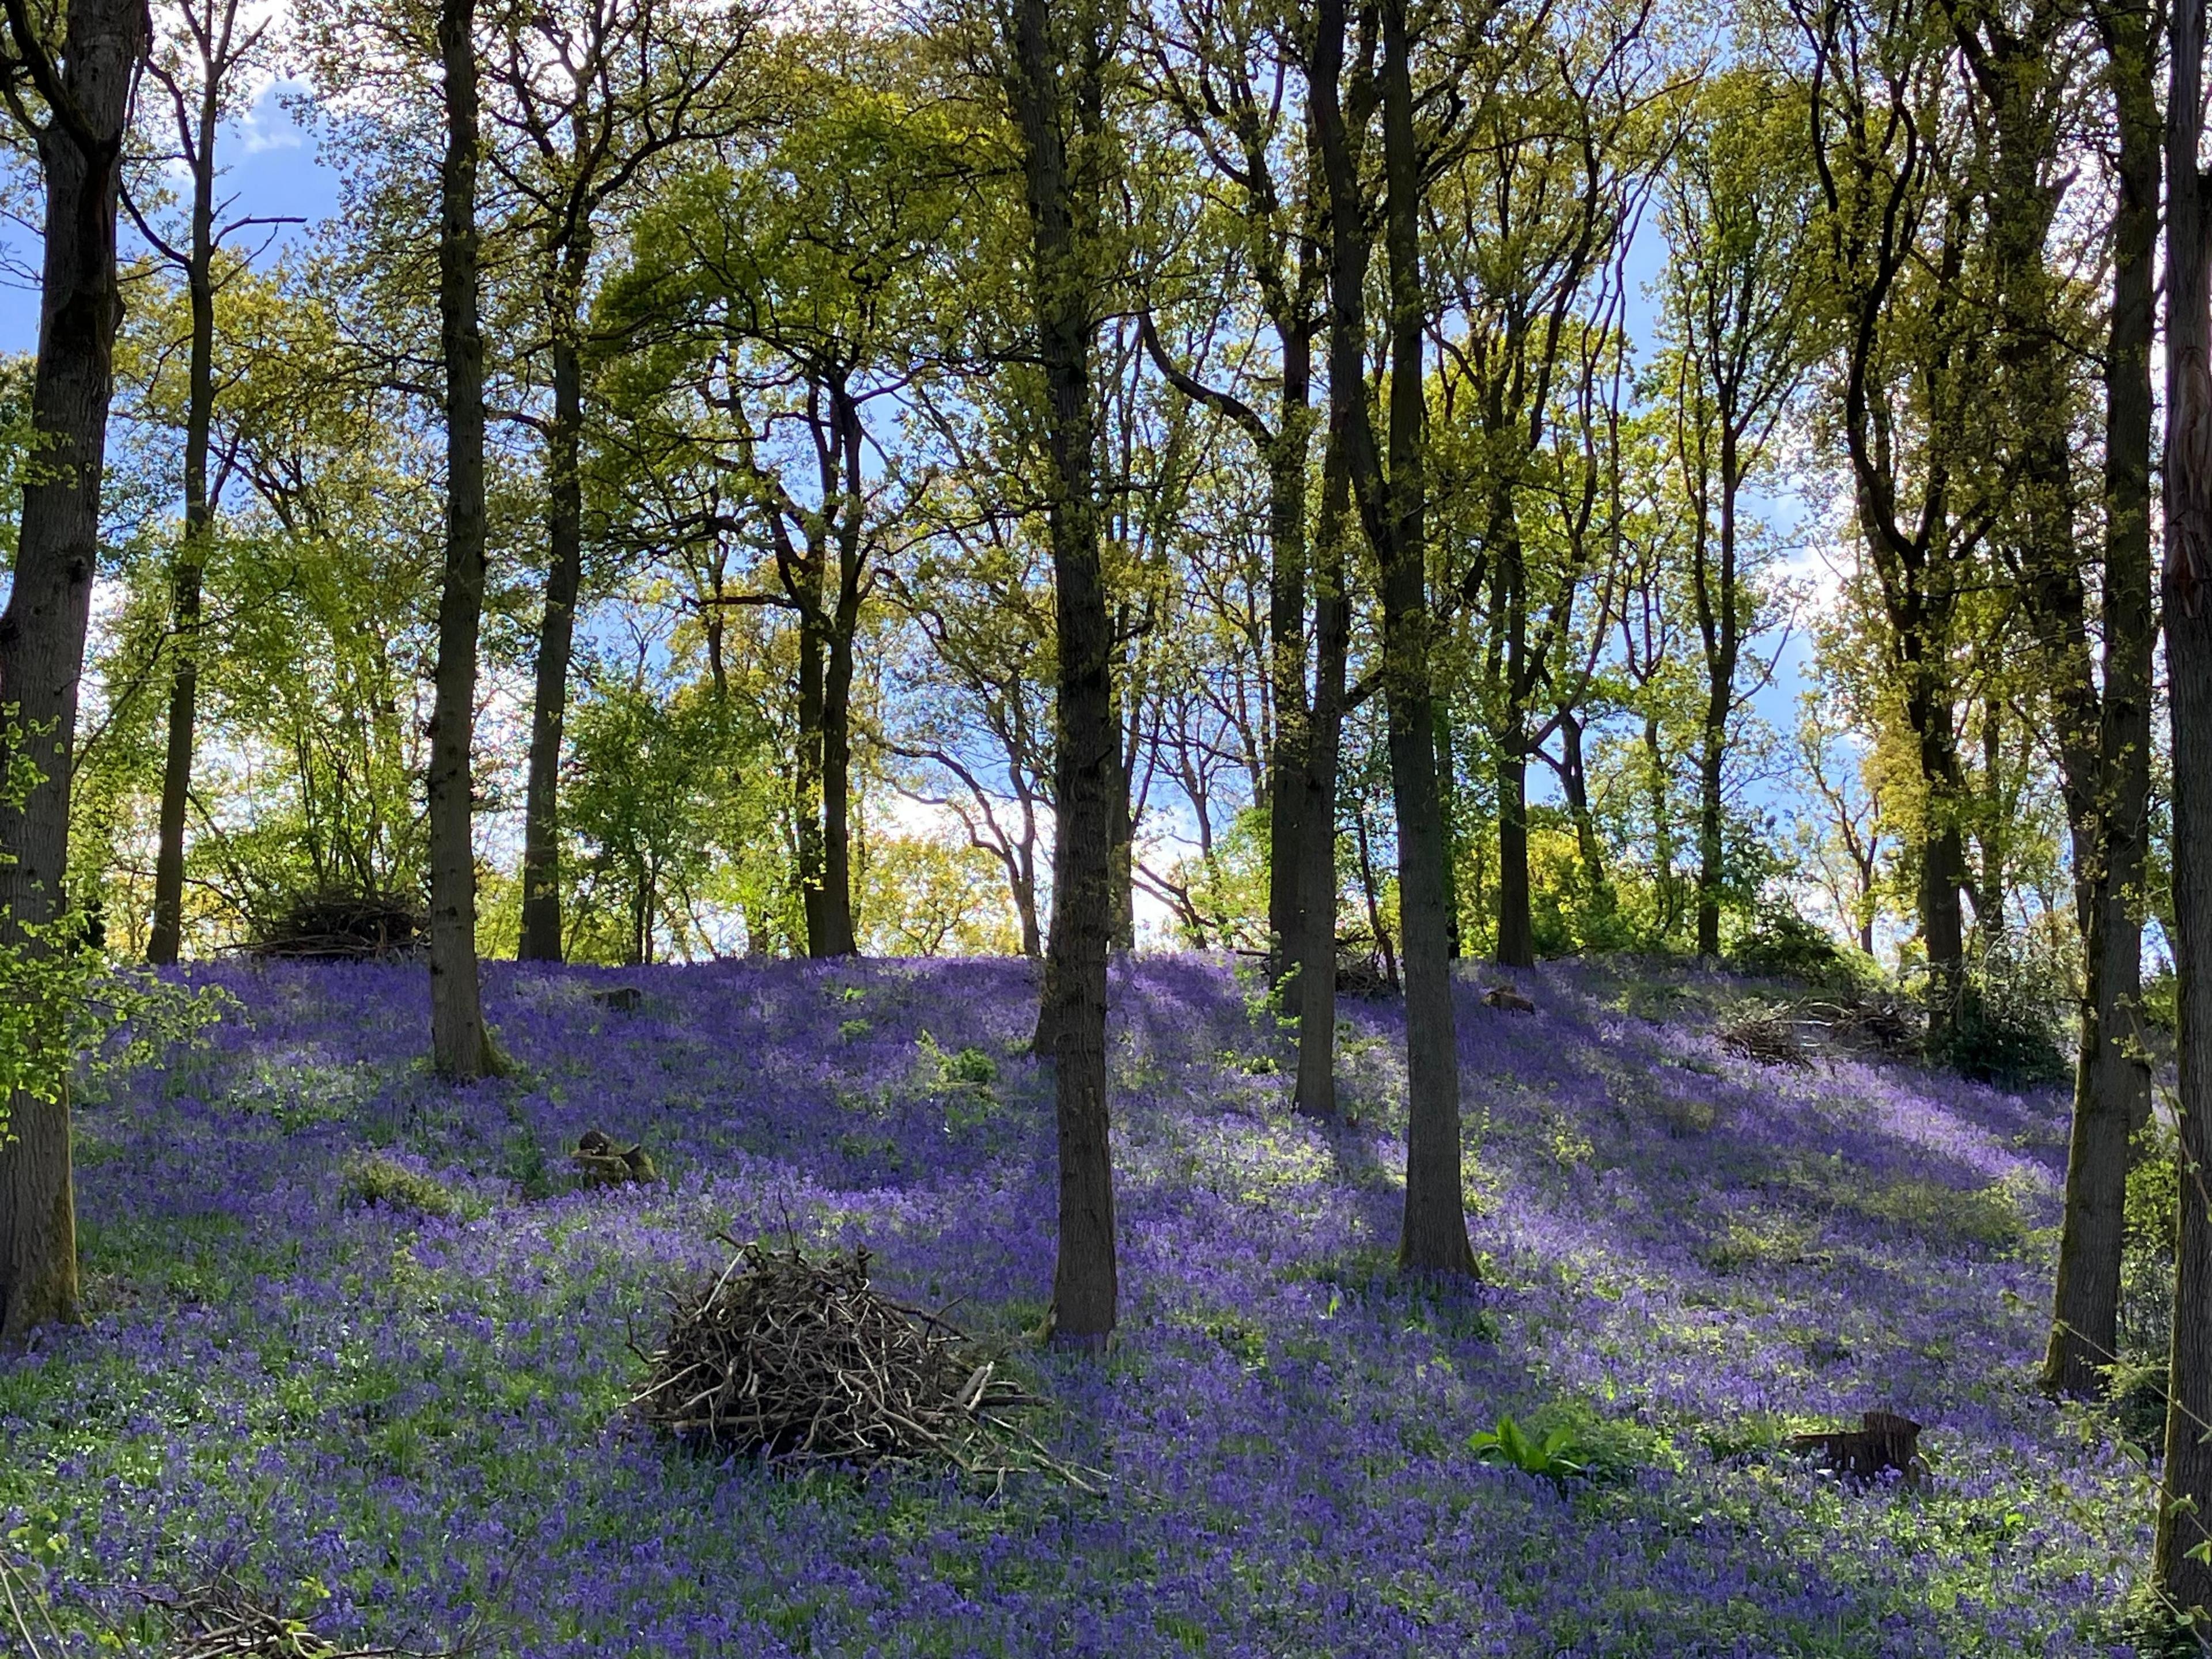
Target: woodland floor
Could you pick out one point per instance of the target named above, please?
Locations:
(408, 1425)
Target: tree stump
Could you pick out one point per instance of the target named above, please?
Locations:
(605, 1164)
(1884, 1441)
(620, 998)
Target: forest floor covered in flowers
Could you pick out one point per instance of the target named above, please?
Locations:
(354, 1337)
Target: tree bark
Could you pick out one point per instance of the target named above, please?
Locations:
(541, 938)
(1717, 598)
(164, 941)
(1447, 815)
(1056, 88)
(461, 1046)
(1289, 760)
(2112, 1088)
(42, 631)
(1316, 924)
(2183, 1581)
(1393, 506)
(1516, 933)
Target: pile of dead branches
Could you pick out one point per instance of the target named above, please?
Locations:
(798, 1360)
(1881, 1023)
(1769, 1034)
(333, 925)
(224, 1620)
(221, 1619)
(1793, 1033)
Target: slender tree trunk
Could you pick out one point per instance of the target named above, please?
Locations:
(1287, 767)
(42, 631)
(1716, 604)
(1574, 783)
(813, 688)
(1393, 508)
(1448, 814)
(564, 572)
(1383, 945)
(837, 937)
(1316, 928)
(1516, 934)
(2184, 1579)
(1056, 86)
(461, 1046)
(165, 941)
(2111, 1088)
(1942, 862)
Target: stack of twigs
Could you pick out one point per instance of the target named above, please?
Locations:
(332, 925)
(1769, 1035)
(224, 1620)
(800, 1361)
(221, 1619)
(1880, 1023)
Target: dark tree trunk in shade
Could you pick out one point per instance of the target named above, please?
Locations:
(2111, 1088)
(1390, 491)
(1056, 66)
(1316, 983)
(1447, 815)
(541, 938)
(1516, 937)
(2184, 1579)
(460, 1045)
(42, 631)
(1288, 761)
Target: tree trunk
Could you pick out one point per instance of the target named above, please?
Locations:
(1394, 509)
(1516, 935)
(461, 1047)
(1574, 783)
(1057, 89)
(1716, 618)
(2185, 1580)
(564, 571)
(165, 941)
(1942, 864)
(1316, 927)
(838, 936)
(1447, 815)
(1288, 763)
(2111, 1087)
(42, 631)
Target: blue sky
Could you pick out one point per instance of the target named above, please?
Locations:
(270, 167)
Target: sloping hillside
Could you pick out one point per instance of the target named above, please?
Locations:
(358, 1339)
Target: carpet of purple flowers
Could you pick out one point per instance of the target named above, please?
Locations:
(355, 1338)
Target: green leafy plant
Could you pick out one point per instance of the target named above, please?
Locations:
(67, 1011)
(1556, 1454)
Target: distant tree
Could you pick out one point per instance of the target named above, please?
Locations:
(587, 98)
(1739, 310)
(201, 65)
